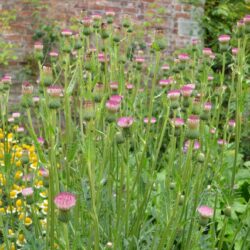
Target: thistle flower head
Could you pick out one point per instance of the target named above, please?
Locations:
(207, 51)
(66, 32)
(174, 94)
(177, 122)
(183, 57)
(113, 105)
(187, 90)
(27, 88)
(125, 122)
(117, 98)
(165, 67)
(26, 192)
(165, 82)
(152, 120)
(55, 91)
(224, 38)
(65, 201)
(53, 53)
(205, 211)
(193, 122)
(38, 45)
(207, 106)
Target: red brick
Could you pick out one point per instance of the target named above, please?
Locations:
(183, 15)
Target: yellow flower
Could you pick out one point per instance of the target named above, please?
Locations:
(21, 240)
(1, 135)
(27, 221)
(10, 233)
(17, 188)
(43, 194)
(19, 154)
(18, 175)
(39, 184)
(2, 180)
(18, 163)
(10, 209)
(2, 210)
(19, 203)
(21, 216)
(13, 194)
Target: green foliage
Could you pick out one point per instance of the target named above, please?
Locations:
(220, 17)
(6, 49)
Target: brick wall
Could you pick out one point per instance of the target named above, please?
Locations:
(180, 20)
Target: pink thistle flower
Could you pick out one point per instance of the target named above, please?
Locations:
(110, 13)
(207, 51)
(221, 142)
(66, 32)
(20, 129)
(129, 86)
(207, 106)
(165, 67)
(16, 115)
(53, 53)
(113, 105)
(212, 131)
(177, 122)
(195, 41)
(38, 45)
(165, 82)
(125, 122)
(186, 91)
(55, 91)
(27, 192)
(174, 94)
(193, 122)
(114, 85)
(139, 59)
(232, 123)
(65, 201)
(6, 79)
(96, 17)
(224, 38)
(187, 145)
(40, 140)
(27, 88)
(152, 120)
(240, 23)
(183, 57)
(117, 98)
(235, 51)
(11, 119)
(210, 78)
(86, 21)
(205, 212)
(246, 19)
(44, 172)
(36, 99)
